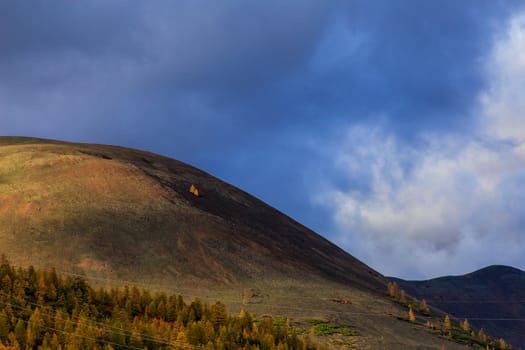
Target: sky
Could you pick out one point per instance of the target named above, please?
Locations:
(394, 129)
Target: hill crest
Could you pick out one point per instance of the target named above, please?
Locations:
(114, 212)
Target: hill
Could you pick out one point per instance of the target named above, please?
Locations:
(111, 212)
(492, 298)
(119, 216)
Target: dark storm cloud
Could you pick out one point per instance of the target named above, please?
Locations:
(417, 61)
(202, 45)
(39, 27)
(175, 63)
(414, 60)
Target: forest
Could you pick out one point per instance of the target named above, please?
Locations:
(41, 309)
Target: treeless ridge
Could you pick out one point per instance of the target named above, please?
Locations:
(124, 208)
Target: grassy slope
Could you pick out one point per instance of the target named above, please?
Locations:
(114, 215)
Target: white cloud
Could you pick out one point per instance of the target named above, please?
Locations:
(503, 104)
(455, 202)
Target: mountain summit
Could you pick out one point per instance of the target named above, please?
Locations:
(116, 213)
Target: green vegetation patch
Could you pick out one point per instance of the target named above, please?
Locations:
(340, 342)
(462, 333)
(324, 328)
(280, 321)
(462, 336)
(315, 321)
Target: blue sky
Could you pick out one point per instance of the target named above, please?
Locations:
(393, 128)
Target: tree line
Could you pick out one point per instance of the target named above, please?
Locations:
(41, 309)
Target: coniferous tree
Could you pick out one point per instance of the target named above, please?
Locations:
(41, 291)
(402, 296)
(423, 306)
(482, 335)
(218, 314)
(393, 290)
(13, 342)
(7, 283)
(46, 342)
(5, 325)
(35, 328)
(20, 332)
(447, 324)
(411, 315)
(55, 343)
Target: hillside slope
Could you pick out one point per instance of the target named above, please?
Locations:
(116, 212)
(120, 216)
(492, 298)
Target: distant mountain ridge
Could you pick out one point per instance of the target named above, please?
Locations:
(492, 298)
